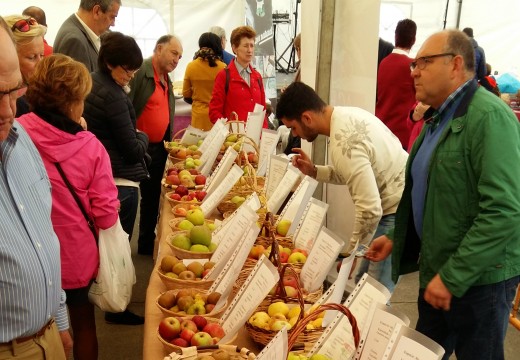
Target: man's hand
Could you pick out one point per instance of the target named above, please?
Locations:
(303, 162)
(379, 249)
(66, 340)
(437, 294)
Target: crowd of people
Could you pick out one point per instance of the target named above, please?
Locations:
(86, 118)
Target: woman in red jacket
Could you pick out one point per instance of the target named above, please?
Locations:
(239, 87)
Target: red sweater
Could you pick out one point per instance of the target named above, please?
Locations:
(395, 95)
(240, 98)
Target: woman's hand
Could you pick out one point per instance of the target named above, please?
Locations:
(303, 163)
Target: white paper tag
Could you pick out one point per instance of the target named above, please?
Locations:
(210, 136)
(192, 135)
(212, 200)
(311, 222)
(218, 175)
(276, 349)
(276, 170)
(267, 147)
(209, 156)
(291, 177)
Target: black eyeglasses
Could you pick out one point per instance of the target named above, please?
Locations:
(130, 73)
(24, 25)
(14, 93)
(425, 60)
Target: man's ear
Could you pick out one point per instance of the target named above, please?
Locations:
(306, 117)
(96, 10)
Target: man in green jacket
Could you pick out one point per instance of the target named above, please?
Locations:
(151, 93)
(458, 221)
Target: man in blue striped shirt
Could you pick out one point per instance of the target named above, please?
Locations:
(33, 315)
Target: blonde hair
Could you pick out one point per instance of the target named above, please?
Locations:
(22, 38)
(57, 83)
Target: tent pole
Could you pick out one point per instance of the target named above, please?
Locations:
(459, 12)
(446, 14)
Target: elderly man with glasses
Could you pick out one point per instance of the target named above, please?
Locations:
(458, 221)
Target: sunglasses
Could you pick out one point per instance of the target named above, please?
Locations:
(24, 25)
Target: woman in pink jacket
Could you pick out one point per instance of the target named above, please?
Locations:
(56, 94)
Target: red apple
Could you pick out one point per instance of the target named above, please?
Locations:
(200, 179)
(215, 330)
(216, 340)
(205, 272)
(172, 171)
(189, 324)
(201, 339)
(193, 171)
(175, 197)
(173, 180)
(209, 308)
(181, 212)
(180, 342)
(290, 280)
(284, 257)
(187, 334)
(297, 250)
(169, 328)
(256, 252)
(181, 190)
(200, 321)
(201, 195)
(252, 158)
(291, 292)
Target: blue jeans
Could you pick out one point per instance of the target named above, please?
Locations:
(129, 199)
(382, 270)
(475, 326)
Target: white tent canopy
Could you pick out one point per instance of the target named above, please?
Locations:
(495, 23)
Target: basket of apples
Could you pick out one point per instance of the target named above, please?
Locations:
(214, 352)
(190, 179)
(178, 332)
(183, 223)
(178, 274)
(189, 303)
(192, 244)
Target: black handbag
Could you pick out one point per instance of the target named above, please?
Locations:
(90, 222)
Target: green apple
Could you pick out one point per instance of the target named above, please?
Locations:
(319, 357)
(199, 248)
(185, 224)
(283, 227)
(197, 162)
(278, 308)
(297, 258)
(232, 138)
(196, 309)
(195, 216)
(279, 324)
(212, 247)
(260, 319)
(199, 143)
(200, 234)
(184, 174)
(181, 241)
(238, 200)
(193, 147)
(212, 226)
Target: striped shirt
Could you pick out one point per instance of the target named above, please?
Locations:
(30, 274)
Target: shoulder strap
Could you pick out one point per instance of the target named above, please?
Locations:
(90, 223)
(226, 88)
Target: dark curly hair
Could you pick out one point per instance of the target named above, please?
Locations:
(210, 48)
(296, 99)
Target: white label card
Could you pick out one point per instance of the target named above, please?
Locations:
(209, 156)
(212, 200)
(291, 177)
(267, 147)
(256, 287)
(276, 170)
(310, 224)
(211, 135)
(224, 282)
(409, 344)
(254, 124)
(293, 210)
(321, 257)
(339, 288)
(222, 169)
(276, 349)
(192, 135)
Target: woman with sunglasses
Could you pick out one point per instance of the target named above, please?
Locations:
(111, 117)
(28, 36)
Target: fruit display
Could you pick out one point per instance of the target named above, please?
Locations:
(183, 179)
(295, 356)
(178, 332)
(189, 302)
(174, 268)
(182, 151)
(219, 354)
(182, 194)
(197, 240)
(181, 223)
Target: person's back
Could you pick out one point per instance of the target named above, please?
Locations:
(480, 56)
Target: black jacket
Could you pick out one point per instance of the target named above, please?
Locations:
(111, 117)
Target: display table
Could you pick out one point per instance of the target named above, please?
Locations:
(152, 347)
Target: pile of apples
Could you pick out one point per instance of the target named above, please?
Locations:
(187, 178)
(294, 356)
(231, 141)
(182, 193)
(189, 302)
(174, 268)
(295, 256)
(195, 332)
(198, 237)
(290, 284)
(181, 151)
(279, 314)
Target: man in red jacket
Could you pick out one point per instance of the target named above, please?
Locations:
(395, 90)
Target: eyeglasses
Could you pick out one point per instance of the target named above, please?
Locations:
(14, 93)
(129, 72)
(425, 60)
(24, 25)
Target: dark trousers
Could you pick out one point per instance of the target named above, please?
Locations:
(475, 326)
(129, 199)
(150, 196)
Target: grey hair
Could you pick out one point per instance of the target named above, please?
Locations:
(219, 31)
(103, 4)
(459, 43)
(165, 39)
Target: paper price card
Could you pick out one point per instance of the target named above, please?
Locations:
(229, 233)
(276, 349)
(267, 147)
(275, 171)
(382, 320)
(254, 124)
(210, 136)
(212, 200)
(222, 169)
(367, 291)
(256, 287)
(322, 256)
(193, 135)
(209, 156)
(224, 282)
(293, 211)
(311, 222)
(409, 344)
(291, 177)
(339, 288)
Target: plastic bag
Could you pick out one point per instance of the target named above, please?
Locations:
(112, 289)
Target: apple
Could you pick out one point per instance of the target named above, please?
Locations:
(209, 308)
(180, 342)
(180, 211)
(200, 179)
(238, 200)
(200, 234)
(197, 308)
(167, 263)
(319, 357)
(172, 171)
(209, 265)
(205, 272)
(290, 280)
(185, 224)
(179, 268)
(195, 216)
(200, 321)
(181, 190)
(297, 258)
(196, 267)
(187, 275)
(213, 298)
(201, 195)
(290, 291)
(298, 250)
(256, 252)
(215, 330)
(279, 324)
(187, 334)
(184, 302)
(260, 319)
(173, 180)
(283, 227)
(171, 275)
(169, 328)
(194, 171)
(167, 300)
(189, 324)
(284, 257)
(278, 307)
(286, 250)
(201, 339)
(181, 241)
(175, 197)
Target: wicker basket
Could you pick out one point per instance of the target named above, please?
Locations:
(234, 352)
(213, 314)
(177, 202)
(173, 223)
(177, 284)
(185, 254)
(168, 347)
